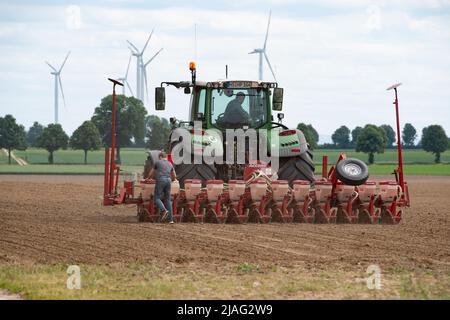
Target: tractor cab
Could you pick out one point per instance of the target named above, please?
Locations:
(228, 104)
(232, 104)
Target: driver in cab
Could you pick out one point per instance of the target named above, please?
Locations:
(234, 112)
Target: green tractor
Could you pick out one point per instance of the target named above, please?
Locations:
(219, 107)
(236, 164)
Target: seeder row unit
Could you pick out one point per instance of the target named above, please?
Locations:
(260, 200)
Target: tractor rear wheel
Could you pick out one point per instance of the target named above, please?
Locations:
(183, 171)
(296, 168)
(202, 171)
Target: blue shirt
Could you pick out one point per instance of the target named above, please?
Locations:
(163, 168)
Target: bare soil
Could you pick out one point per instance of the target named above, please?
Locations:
(60, 219)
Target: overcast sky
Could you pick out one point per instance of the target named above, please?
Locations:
(334, 58)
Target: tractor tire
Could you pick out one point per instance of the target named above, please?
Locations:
(296, 168)
(352, 171)
(203, 172)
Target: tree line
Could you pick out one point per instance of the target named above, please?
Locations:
(136, 128)
(372, 139)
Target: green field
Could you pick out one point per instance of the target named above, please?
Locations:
(3, 158)
(135, 156)
(416, 156)
(62, 169)
(40, 156)
(71, 161)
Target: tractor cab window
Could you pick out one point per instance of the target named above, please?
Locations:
(198, 103)
(201, 101)
(234, 108)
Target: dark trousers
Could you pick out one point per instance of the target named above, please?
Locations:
(162, 188)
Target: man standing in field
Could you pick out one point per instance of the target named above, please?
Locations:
(164, 173)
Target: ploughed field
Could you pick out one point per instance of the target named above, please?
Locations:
(50, 222)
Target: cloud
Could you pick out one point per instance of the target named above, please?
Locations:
(73, 17)
(334, 67)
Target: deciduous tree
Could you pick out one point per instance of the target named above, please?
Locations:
(12, 135)
(130, 121)
(371, 140)
(34, 133)
(86, 137)
(311, 135)
(52, 139)
(435, 140)
(355, 134)
(409, 135)
(390, 135)
(341, 137)
(158, 130)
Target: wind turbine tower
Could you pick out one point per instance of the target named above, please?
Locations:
(262, 52)
(141, 73)
(58, 85)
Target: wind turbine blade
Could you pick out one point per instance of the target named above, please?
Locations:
(154, 56)
(134, 47)
(132, 50)
(267, 31)
(64, 62)
(128, 68)
(62, 91)
(51, 66)
(145, 46)
(129, 87)
(254, 51)
(270, 67)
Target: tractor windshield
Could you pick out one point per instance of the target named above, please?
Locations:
(234, 108)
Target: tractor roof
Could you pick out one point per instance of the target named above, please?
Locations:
(229, 84)
(225, 83)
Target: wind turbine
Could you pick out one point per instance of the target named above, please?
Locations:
(141, 74)
(124, 79)
(58, 84)
(262, 52)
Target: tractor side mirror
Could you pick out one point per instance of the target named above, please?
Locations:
(187, 90)
(277, 99)
(160, 98)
